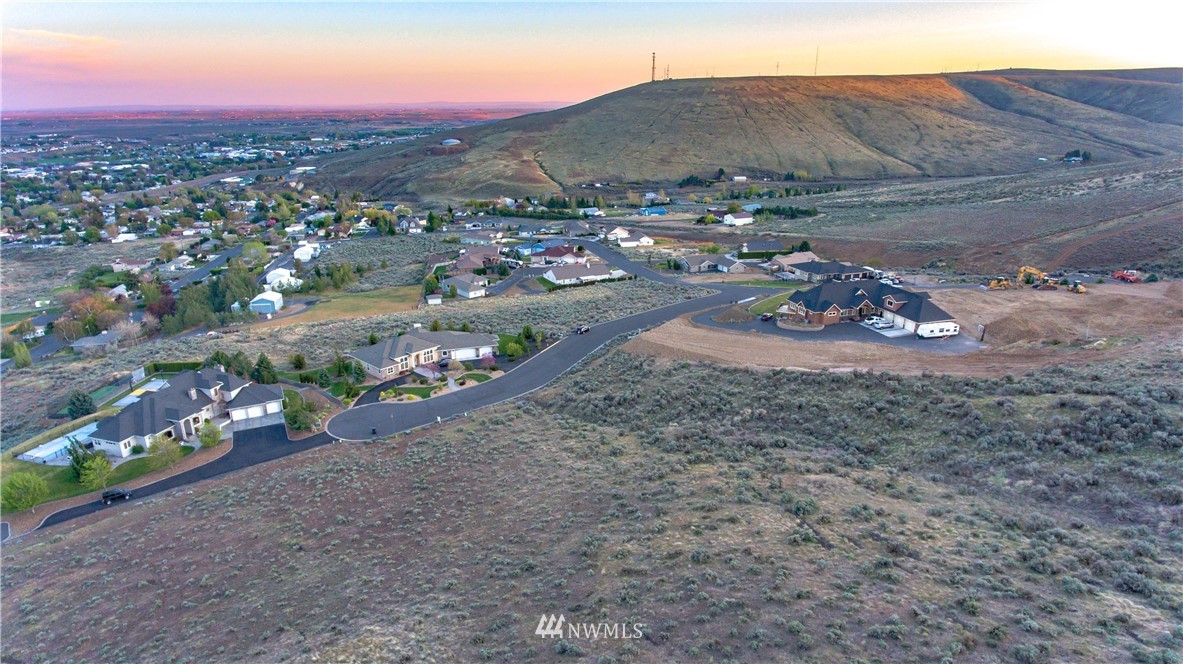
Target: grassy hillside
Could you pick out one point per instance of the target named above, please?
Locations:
(741, 516)
(854, 127)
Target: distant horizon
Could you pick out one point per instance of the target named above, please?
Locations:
(477, 105)
(69, 55)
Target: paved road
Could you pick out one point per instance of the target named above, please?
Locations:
(250, 448)
(194, 276)
(121, 196)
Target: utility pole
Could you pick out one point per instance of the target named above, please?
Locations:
(653, 68)
(778, 67)
(816, 54)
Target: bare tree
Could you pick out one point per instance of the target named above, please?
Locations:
(127, 329)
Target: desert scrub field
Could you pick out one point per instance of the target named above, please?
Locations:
(403, 256)
(28, 391)
(729, 531)
(34, 273)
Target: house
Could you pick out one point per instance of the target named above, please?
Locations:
(177, 264)
(591, 212)
(782, 262)
(467, 286)
(266, 303)
(178, 410)
(699, 263)
(837, 301)
(481, 238)
(131, 265)
(435, 298)
(567, 275)
(655, 211)
(560, 255)
(729, 265)
(39, 325)
(577, 228)
(123, 237)
(403, 353)
(282, 279)
(117, 292)
(96, 345)
(737, 219)
(818, 271)
(635, 241)
(616, 233)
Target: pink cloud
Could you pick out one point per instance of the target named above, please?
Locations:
(56, 56)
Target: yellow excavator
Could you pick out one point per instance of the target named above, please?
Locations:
(1038, 279)
(999, 283)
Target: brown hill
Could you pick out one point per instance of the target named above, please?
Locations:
(850, 126)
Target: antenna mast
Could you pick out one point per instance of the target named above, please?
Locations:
(816, 55)
(653, 68)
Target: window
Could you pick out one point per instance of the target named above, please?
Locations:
(830, 313)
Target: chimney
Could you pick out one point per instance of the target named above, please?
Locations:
(193, 394)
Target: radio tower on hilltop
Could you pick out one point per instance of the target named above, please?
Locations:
(653, 68)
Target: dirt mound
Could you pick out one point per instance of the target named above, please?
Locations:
(736, 314)
(1018, 327)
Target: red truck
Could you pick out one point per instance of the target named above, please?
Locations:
(1128, 276)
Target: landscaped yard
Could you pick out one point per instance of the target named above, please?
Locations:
(61, 479)
(476, 377)
(504, 340)
(769, 305)
(423, 391)
(352, 305)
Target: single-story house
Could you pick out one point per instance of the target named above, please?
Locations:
(617, 233)
(635, 241)
(266, 303)
(467, 285)
(655, 211)
(576, 228)
(481, 237)
(131, 265)
(435, 298)
(117, 292)
(818, 271)
(40, 322)
(96, 345)
(578, 274)
(306, 252)
(699, 263)
(178, 410)
(561, 255)
(837, 301)
(737, 219)
(177, 264)
(752, 246)
(396, 355)
(729, 265)
(782, 262)
(591, 212)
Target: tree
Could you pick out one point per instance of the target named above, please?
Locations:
(514, 350)
(166, 451)
(239, 365)
(24, 491)
(359, 373)
(264, 371)
(436, 326)
(168, 252)
(150, 293)
(431, 284)
(527, 332)
(373, 339)
(712, 249)
(323, 379)
(96, 472)
(20, 355)
(488, 362)
(127, 329)
(466, 327)
(80, 403)
(79, 455)
(254, 253)
(804, 246)
(91, 235)
(298, 362)
(209, 434)
(452, 290)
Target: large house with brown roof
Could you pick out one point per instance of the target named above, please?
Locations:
(837, 301)
(818, 271)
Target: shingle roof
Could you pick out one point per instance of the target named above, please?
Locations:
(562, 273)
(385, 354)
(697, 260)
(851, 295)
(829, 267)
(156, 411)
(255, 394)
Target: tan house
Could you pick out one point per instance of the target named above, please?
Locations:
(396, 355)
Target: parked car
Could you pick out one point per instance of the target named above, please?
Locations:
(583, 330)
(766, 317)
(883, 325)
(871, 320)
(111, 495)
(443, 364)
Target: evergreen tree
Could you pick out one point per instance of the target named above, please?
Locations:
(96, 472)
(239, 365)
(298, 362)
(20, 355)
(80, 403)
(436, 326)
(264, 371)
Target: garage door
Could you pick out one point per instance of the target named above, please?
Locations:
(254, 411)
(464, 354)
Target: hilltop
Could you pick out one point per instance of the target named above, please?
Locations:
(859, 127)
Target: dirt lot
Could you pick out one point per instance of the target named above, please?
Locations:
(1025, 328)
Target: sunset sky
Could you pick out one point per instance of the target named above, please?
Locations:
(62, 55)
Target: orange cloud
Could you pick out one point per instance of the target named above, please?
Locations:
(56, 56)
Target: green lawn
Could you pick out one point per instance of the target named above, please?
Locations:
(546, 283)
(423, 391)
(769, 305)
(61, 479)
(476, 377)
(14, 317)
(504, 340)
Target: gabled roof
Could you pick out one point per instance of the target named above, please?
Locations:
(466, 279)
(698, 260)
(558, 252)
(564, 272)
(916, 307)
(386, 353)
(157, 411)
(765, 245)
(256, 394)
(829, 267)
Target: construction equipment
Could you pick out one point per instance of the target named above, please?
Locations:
(1038, 279)
(1077, 287)
(1128, 276)
(999, 283)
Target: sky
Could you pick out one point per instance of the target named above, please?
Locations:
(331, 54)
